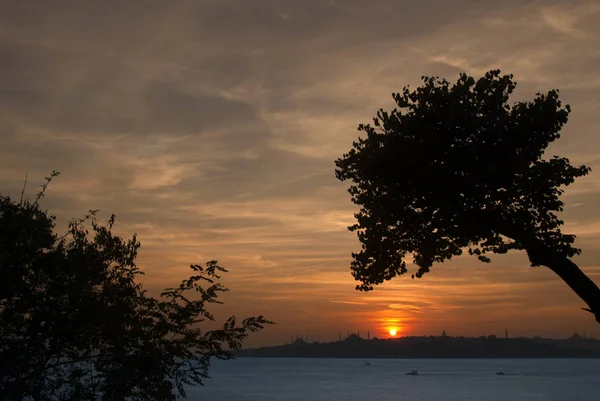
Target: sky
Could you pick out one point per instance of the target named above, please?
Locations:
(210, 128)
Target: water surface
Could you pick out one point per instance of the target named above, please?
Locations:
(283, 379)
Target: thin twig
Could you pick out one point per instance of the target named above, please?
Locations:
(23, 190)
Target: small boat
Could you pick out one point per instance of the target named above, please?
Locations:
(500, 373)
(413, 373)
(367, 363)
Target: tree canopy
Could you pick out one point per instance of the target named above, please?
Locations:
(75, 324)
(454, 167)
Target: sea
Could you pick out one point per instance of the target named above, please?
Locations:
(299, 379)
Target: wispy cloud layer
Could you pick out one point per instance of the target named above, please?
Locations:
(210, 128)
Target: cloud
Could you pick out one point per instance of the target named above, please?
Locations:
(349, 302)
(211, 129)
(573, 20)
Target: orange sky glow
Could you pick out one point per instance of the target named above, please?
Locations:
(215, 137)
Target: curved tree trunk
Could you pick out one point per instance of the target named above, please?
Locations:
(541, 255)
(582, 285)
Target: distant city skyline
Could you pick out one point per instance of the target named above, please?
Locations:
(439, 346)
(318, 338)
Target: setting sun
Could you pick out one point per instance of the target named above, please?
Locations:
(393, 332)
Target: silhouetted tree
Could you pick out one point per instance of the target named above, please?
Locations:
(75, 324)
(454, 166)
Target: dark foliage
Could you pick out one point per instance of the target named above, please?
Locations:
(456, 167)
(76, 325)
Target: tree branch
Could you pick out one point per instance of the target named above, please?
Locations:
(570, 273)
(541, 255)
